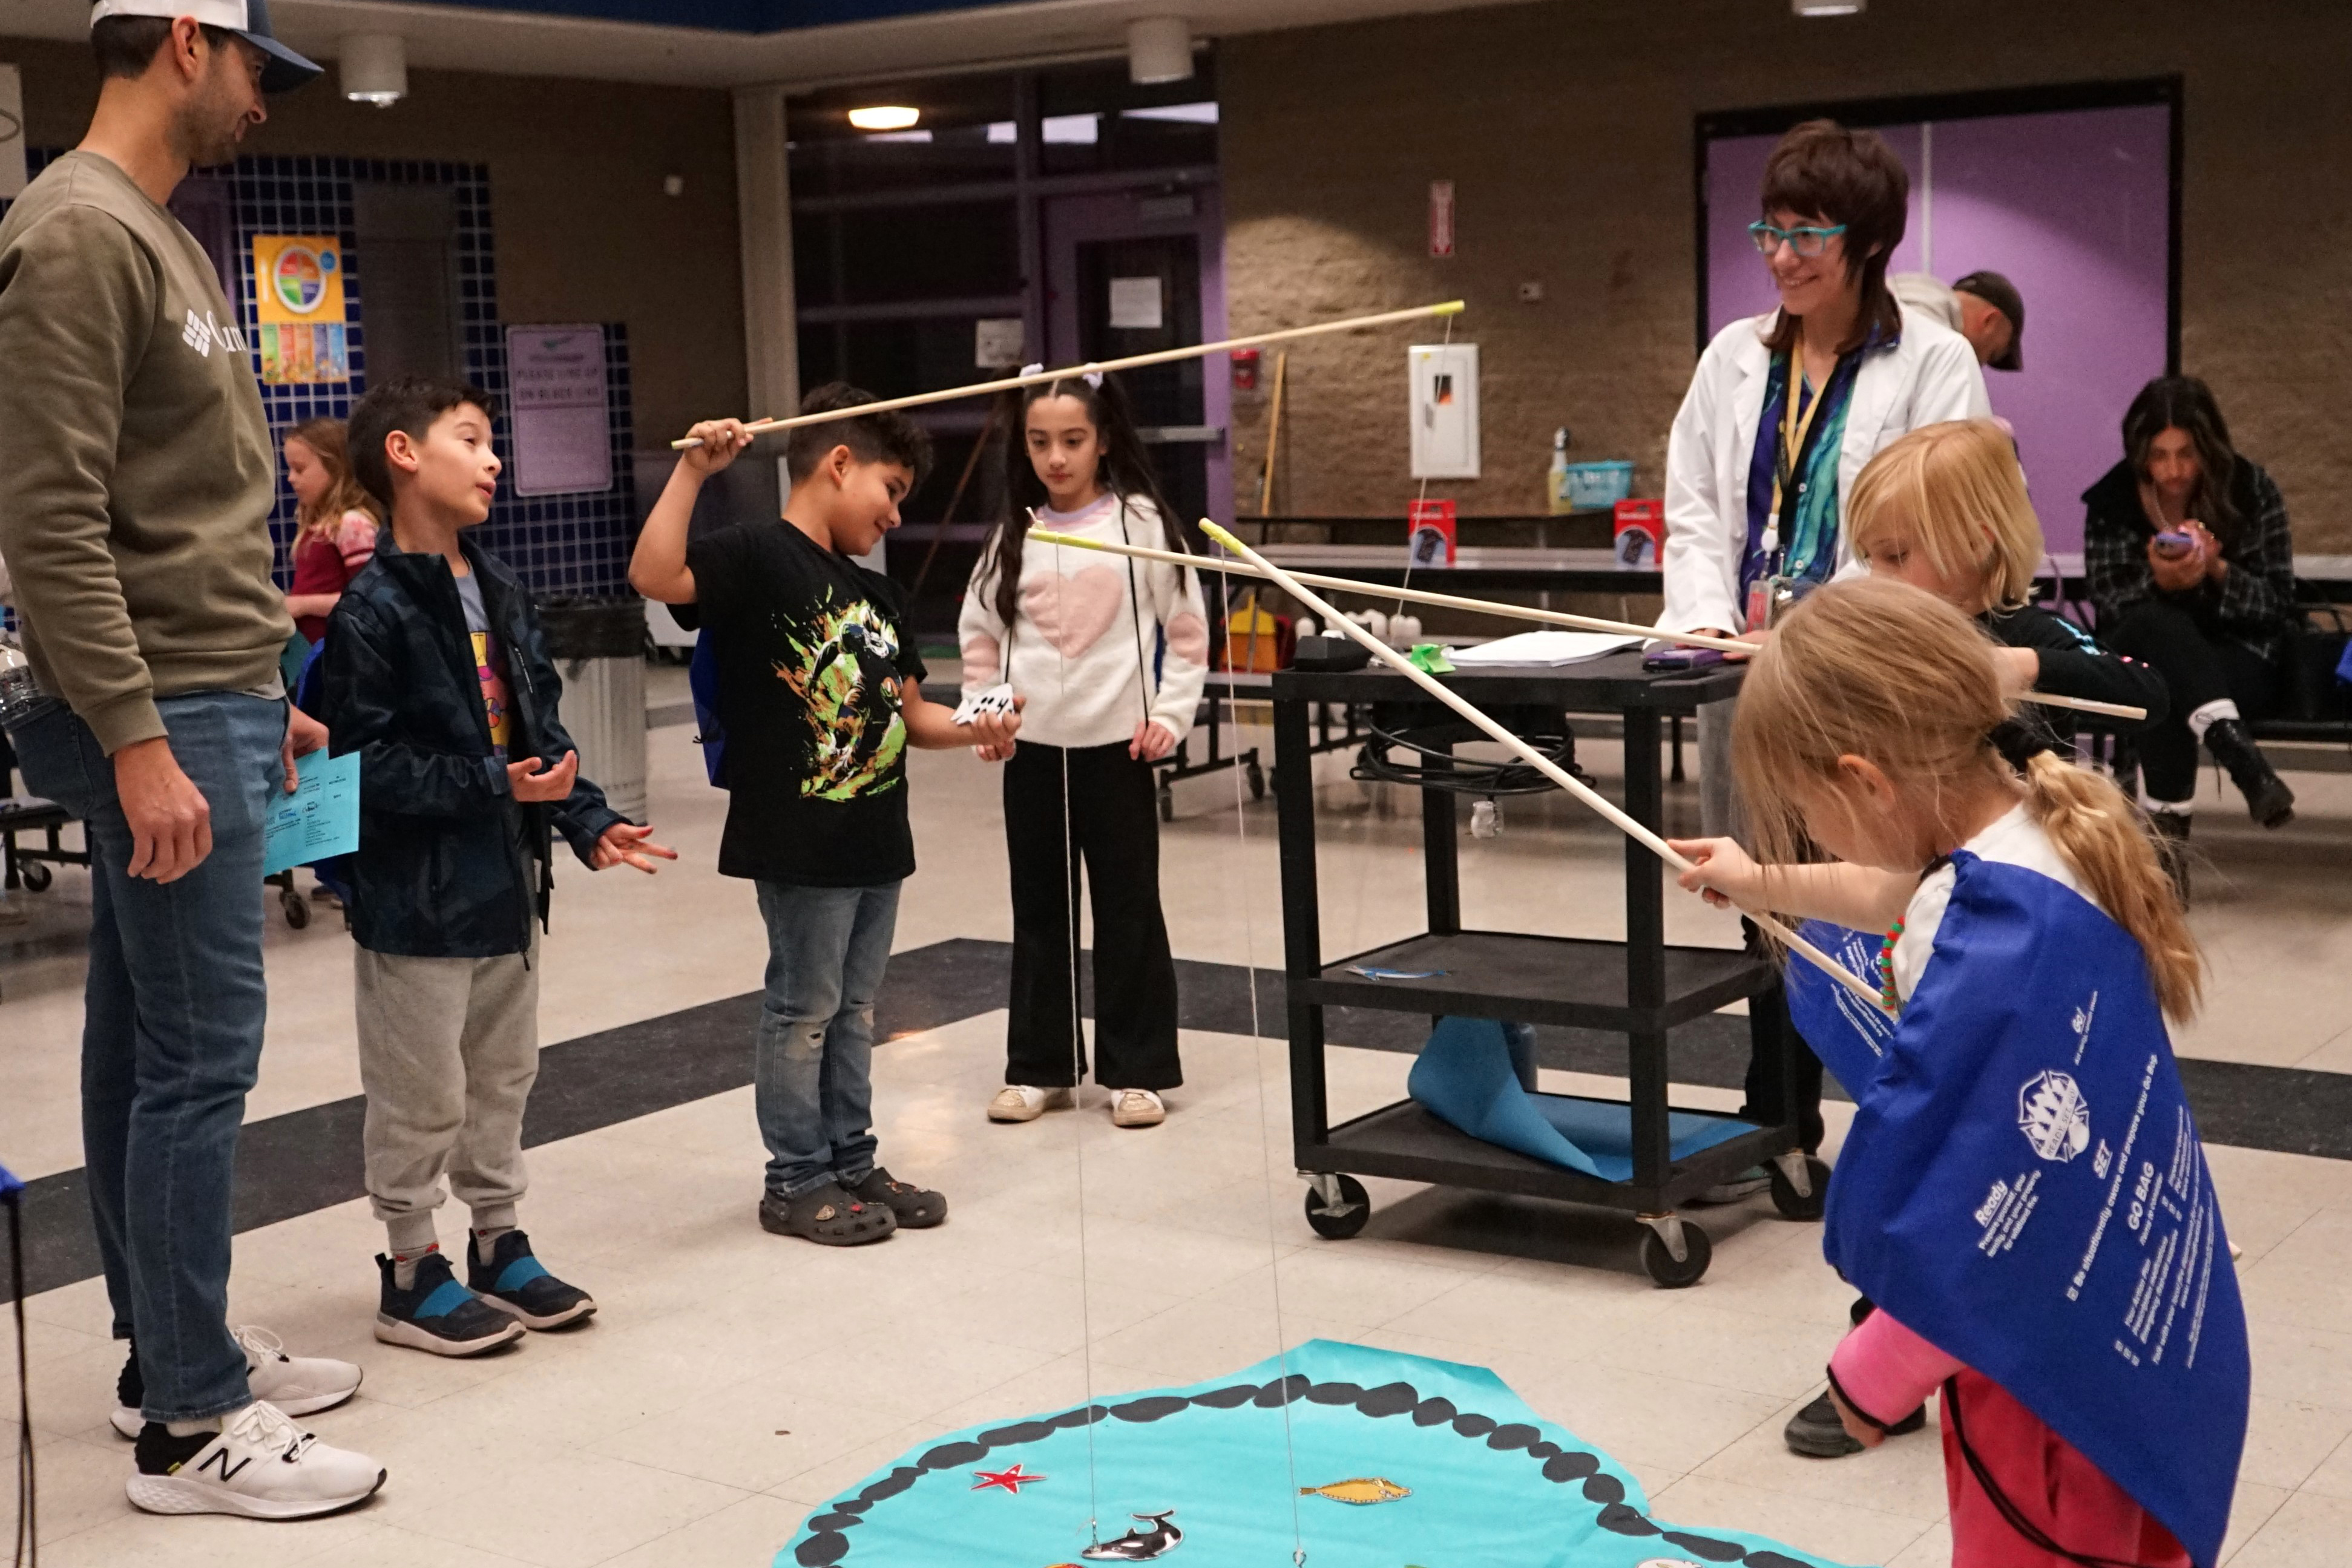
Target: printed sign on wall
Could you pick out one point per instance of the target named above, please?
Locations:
(297, 285)
(562, 434)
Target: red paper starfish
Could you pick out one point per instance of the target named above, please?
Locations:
(1012, 1480)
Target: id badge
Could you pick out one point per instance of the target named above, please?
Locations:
(1766, 598)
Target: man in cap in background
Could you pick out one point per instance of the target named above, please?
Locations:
(1984, 307)
(136, 484)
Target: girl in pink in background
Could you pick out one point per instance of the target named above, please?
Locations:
(336, 523)
(1111, 655)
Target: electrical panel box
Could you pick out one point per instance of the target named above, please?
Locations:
(1445, 403)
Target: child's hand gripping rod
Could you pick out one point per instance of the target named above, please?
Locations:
(1527, 754)
(1514, 611)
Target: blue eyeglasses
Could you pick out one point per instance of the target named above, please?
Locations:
(1804, 239)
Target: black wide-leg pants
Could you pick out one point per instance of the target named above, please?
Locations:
(1113, 825)
(2200, 664)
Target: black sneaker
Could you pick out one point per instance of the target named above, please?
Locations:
(516, 1282)
(438, 1314)
(1816, 1431)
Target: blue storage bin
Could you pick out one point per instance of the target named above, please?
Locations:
(1592, 485)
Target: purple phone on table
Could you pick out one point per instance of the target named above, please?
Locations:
(1681, 658)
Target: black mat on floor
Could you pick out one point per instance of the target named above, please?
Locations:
(309, 1160)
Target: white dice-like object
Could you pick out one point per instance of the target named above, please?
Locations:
(996, 699)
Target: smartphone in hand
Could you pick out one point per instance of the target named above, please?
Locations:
(2172, 544)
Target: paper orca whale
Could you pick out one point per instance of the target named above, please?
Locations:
(1138, 1545)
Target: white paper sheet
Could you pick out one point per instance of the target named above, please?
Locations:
(1542, 648)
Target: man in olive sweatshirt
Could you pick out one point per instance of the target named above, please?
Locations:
(136, 481)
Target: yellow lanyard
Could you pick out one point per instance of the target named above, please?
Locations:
(1794, 433)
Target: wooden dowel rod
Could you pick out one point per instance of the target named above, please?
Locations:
(1133, 361)
(1514, 611)
(1528, 754)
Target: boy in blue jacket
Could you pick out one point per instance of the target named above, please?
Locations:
(437, 675)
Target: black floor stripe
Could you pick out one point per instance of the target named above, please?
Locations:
(309, 1160)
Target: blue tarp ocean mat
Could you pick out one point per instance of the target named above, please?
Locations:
(1390, 1461)
(1465, 1078)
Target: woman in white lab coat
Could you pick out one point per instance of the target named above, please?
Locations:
(1756, 491)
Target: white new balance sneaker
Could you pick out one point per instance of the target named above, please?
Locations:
(297, 1384)
(262, 1466)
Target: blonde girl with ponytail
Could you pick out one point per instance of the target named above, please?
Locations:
(1874, 731)
(1889, 789)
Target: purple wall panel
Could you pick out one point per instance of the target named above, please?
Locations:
(2073, 207)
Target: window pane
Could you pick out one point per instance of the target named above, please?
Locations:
(1094, 119)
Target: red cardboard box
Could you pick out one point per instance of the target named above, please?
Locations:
(1431, 533)
(1641, 534)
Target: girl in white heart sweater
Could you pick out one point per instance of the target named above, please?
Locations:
(1110, 654)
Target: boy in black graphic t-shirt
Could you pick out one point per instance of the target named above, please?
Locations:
(819, 697)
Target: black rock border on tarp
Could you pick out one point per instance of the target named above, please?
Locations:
(830, 1543)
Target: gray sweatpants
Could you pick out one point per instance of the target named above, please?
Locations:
(448, 1050)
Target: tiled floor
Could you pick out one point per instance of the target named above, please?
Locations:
(734, 1380)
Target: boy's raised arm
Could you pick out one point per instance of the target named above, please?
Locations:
(659, 569)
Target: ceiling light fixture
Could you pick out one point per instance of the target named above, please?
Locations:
(1159, 49)
(375, 69)
(885, 117)
(1829, 7)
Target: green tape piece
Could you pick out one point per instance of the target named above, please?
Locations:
(1430, 659)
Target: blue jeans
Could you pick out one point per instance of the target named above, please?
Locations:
(814, 1086)
(171, 1035)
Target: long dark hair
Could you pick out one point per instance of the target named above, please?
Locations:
(2184, 403)
(1849, 177)
(1126, 472)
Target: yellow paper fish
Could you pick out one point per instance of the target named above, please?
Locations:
(1361, 1491)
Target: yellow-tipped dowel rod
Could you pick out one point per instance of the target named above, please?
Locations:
(1133, 361)
(1526, 752)
(1512, 612)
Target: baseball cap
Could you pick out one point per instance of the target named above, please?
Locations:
(2000, 294)
(249, 19)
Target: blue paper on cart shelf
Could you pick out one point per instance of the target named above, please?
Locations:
(1464, 1077)
(8, 1182)
(1374, 972)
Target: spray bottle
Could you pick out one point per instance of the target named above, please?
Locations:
(1556, 483)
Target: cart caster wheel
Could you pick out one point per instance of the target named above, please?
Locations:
(1348, 1219)
(1661, 1265)
(1167, 804)
(37, 876)
(296, 908)
(1785, 1196)
(1257, 782)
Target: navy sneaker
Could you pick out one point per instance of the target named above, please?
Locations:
(438, 1313)
(516, 1282)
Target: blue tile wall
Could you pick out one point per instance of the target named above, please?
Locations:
(558, 544)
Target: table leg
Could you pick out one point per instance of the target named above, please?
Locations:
(1441, 869)
(1645, 956)
(1302, 925)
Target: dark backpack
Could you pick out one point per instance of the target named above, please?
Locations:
(702, 683)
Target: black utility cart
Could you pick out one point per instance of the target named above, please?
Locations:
(1640, 988)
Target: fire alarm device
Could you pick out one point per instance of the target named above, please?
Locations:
(1245, 369)
(1441, 217)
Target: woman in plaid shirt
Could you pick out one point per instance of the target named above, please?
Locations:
(2192, 568)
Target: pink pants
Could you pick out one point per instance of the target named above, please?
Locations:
(1886, 1370)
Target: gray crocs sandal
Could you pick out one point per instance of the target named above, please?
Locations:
(915, 1208)
(828, 1217)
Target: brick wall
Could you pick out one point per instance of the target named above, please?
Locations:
(1566, 129)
